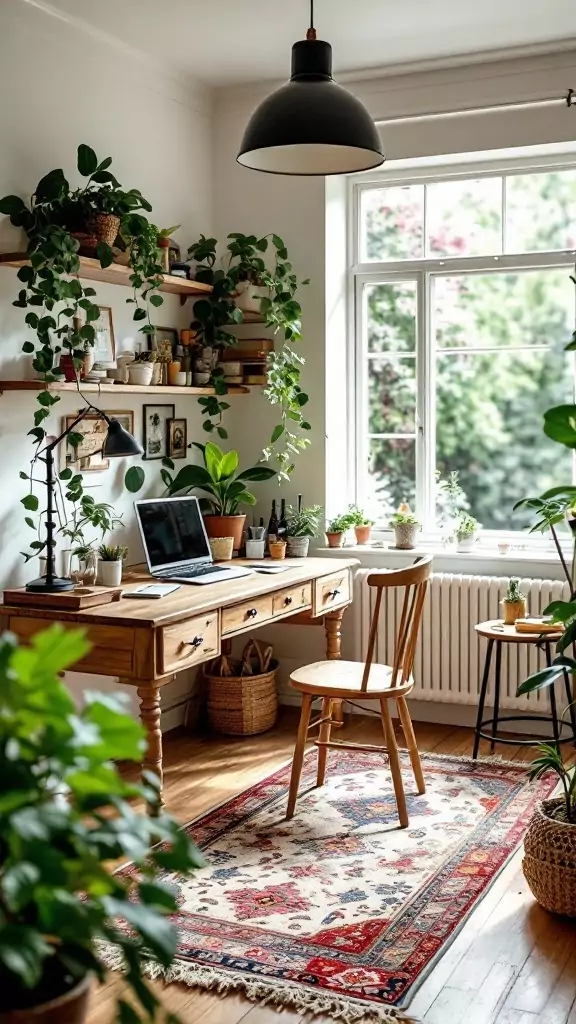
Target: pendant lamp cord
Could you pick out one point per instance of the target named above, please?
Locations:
(311, 33)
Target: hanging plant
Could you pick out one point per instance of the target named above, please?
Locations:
(59, 222)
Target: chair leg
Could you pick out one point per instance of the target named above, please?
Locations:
(408, 730)
(324, 735)
(299, 754)
(394, 762)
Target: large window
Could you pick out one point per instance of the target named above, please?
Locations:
(463, 306)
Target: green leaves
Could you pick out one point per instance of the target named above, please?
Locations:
(10, 205)
(51, 187)
(560, 425)
(87, 160)
(546, 676)
(134, 479)
(30, 502)
(23, 952)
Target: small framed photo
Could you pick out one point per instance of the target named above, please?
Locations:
(156, 419)
(86, 457)
(177, 439)
(165, 340)
(104, 348)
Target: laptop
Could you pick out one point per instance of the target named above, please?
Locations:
(176, 544)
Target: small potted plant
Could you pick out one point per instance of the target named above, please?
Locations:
(65, 817)
(405, 526)
(362, 525)
(514, 603)
(111, 564)
(466, 529)
(302, 525)
(226, 489)
(336, 530)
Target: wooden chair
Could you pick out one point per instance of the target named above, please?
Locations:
(336, 681)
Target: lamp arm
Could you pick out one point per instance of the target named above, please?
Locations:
(50, 447)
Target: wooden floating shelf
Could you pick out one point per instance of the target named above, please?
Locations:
(110, 388)
(90, 270)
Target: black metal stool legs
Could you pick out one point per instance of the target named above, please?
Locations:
(483, 690)
(497, 675)
(553, 708)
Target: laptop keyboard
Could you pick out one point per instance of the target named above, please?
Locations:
(204, 570)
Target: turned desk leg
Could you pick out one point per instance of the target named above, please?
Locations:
(150, 715)
(332, 624)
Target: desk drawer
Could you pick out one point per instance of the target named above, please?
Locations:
(331, 592)
(189, 643)
(292, 599)
(113, 647)
(250, 613)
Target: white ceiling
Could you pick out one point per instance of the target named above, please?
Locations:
(223, 42)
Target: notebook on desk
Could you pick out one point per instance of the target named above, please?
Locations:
(176, 545)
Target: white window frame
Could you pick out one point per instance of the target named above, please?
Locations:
(422, 271)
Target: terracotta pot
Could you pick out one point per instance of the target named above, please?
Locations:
(335, 540)
(512, 610)
(277, 550)
(66, 366)
(105, 226)
(71, 1008)
(226, 526)
(363, 534)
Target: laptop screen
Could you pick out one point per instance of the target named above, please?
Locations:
(172, 531)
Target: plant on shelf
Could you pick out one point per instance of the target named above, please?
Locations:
(58, 220)
(336, 530)
(65, 816)
(405, 526)
(226, 489)
(303, 523)
(550, 844)
(466, 528)
(244, 269)
(361, 523)
(514, 602)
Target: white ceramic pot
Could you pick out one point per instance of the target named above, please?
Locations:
(249, 295)
(466, 543)
(201, 379)
(405, 534)
(66, 562)
(180, 379)
(110, 573)
(255, 548)
(140, 373)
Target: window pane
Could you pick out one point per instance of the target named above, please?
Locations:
(391, 317)
(501, 310)
(464, 218)
(392, 223)
(541, 211)
(489, 409)
(392, 395)
(391, 474)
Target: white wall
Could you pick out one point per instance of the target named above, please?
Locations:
(60, 88)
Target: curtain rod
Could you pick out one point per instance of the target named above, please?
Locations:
(569, 100)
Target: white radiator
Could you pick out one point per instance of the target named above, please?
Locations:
(450, 655)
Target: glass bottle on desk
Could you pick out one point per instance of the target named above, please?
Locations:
(283, 522)
(273, 525)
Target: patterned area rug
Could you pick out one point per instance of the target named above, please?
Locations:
(339, 911)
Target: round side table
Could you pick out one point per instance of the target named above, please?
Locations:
(497, 633)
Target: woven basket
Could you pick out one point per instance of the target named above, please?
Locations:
(105, 226)
(550, 860)
(242, 698)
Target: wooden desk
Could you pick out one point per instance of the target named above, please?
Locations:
(145, 643)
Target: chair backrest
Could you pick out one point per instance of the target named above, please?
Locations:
(414, 581)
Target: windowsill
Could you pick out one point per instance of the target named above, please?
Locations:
(478, 562)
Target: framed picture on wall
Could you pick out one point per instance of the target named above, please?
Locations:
(165, 340)
(86, 457)
(177, 439)
(104, 349)
(156, 418)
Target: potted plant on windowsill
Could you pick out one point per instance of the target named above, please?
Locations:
(513, 603)
(226, 489)
(111, 564)
(302, 525)
(405, 526)
(362, 525)
(64, 816)
(336, 530)
(466, 528)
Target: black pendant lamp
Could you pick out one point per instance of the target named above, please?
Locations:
(311, 125)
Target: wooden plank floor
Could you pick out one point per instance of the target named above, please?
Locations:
(512, 963)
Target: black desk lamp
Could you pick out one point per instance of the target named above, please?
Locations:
(118, 443)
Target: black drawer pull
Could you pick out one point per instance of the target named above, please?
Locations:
(287, 600)
(195, 642)
(251, 613)
(333, 593)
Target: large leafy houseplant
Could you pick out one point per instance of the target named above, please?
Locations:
(64, 816)
(54, 296)
(226, 489)
(245, 261)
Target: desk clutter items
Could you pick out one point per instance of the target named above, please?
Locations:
(242, 699)
(67, 600)
(246, 362)
(538, 624)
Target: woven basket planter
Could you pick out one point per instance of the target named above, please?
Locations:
(105, 226)
(550, 860)
(243, 704)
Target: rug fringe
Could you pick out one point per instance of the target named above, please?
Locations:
(487, 758)
(277, 993)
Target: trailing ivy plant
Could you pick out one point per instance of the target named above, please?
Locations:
(54, 297)
(244, 261)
